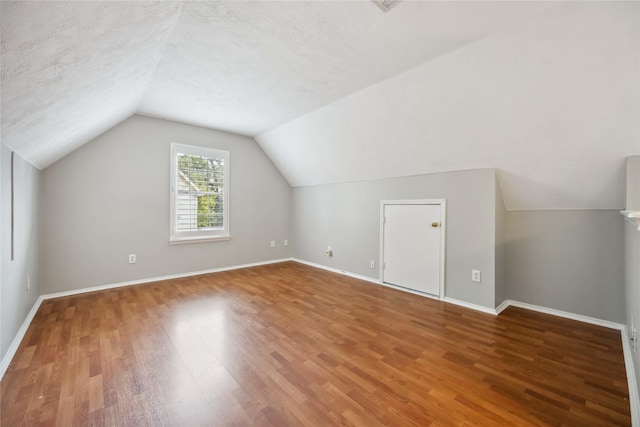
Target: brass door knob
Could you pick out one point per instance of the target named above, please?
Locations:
(435, 224)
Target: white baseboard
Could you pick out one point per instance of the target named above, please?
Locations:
(631, 378)
(157, 279)
(634, 401)
(566, 315)
(634, 398)
(13, 348)
(472, 306)
(502, 307)
(410, 291)
(378, 282)
(365, 278)
(335, 270)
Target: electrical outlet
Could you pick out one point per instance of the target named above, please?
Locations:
(273, 243)
(475, 276)
(286, 243)
(132, 258)
(28, 283)
(328, 252)
(372, 264)
(634, 335)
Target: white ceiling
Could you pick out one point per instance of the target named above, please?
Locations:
(71, 70)
(247, 67)
(553, 103)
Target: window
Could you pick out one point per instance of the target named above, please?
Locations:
(199, 194)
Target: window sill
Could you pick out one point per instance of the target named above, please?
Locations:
(185, 240)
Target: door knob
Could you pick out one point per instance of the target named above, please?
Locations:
(434, 224)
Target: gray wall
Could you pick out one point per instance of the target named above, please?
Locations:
(632, 286)
(569, 260)
(347, 217)
(16, 301)
(110, 198)
(632, 198)
(501, 249)
(632, 255)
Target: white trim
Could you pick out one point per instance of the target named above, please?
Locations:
(567, 315)
(157, 279)
(502, 306)
(634, 399)
(365, 278)
(443, 240)
(11, 352)
(192, 236)
(13, 348)
(409, 290)
(632, 217)
(202, 239)
(335, 270)
(472, 306)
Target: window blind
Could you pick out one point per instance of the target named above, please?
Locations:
(200, 192)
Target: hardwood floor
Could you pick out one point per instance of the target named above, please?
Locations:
(286, 344)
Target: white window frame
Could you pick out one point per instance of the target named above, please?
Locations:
(208, 235)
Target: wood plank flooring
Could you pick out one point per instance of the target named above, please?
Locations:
(290, 345)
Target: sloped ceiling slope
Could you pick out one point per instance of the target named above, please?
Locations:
(71, 70)
(339, 91)
(553, 103)
(247, 67)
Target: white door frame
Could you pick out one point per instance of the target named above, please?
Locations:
(443, 223)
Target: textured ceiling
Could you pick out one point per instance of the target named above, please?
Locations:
(553, 103)
(339, 90)
(71, 70)
(247, 67)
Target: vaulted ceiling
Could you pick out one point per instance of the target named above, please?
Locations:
(339, 91)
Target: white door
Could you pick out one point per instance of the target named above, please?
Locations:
(411, 246)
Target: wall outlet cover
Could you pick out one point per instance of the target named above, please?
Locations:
(475, 276)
